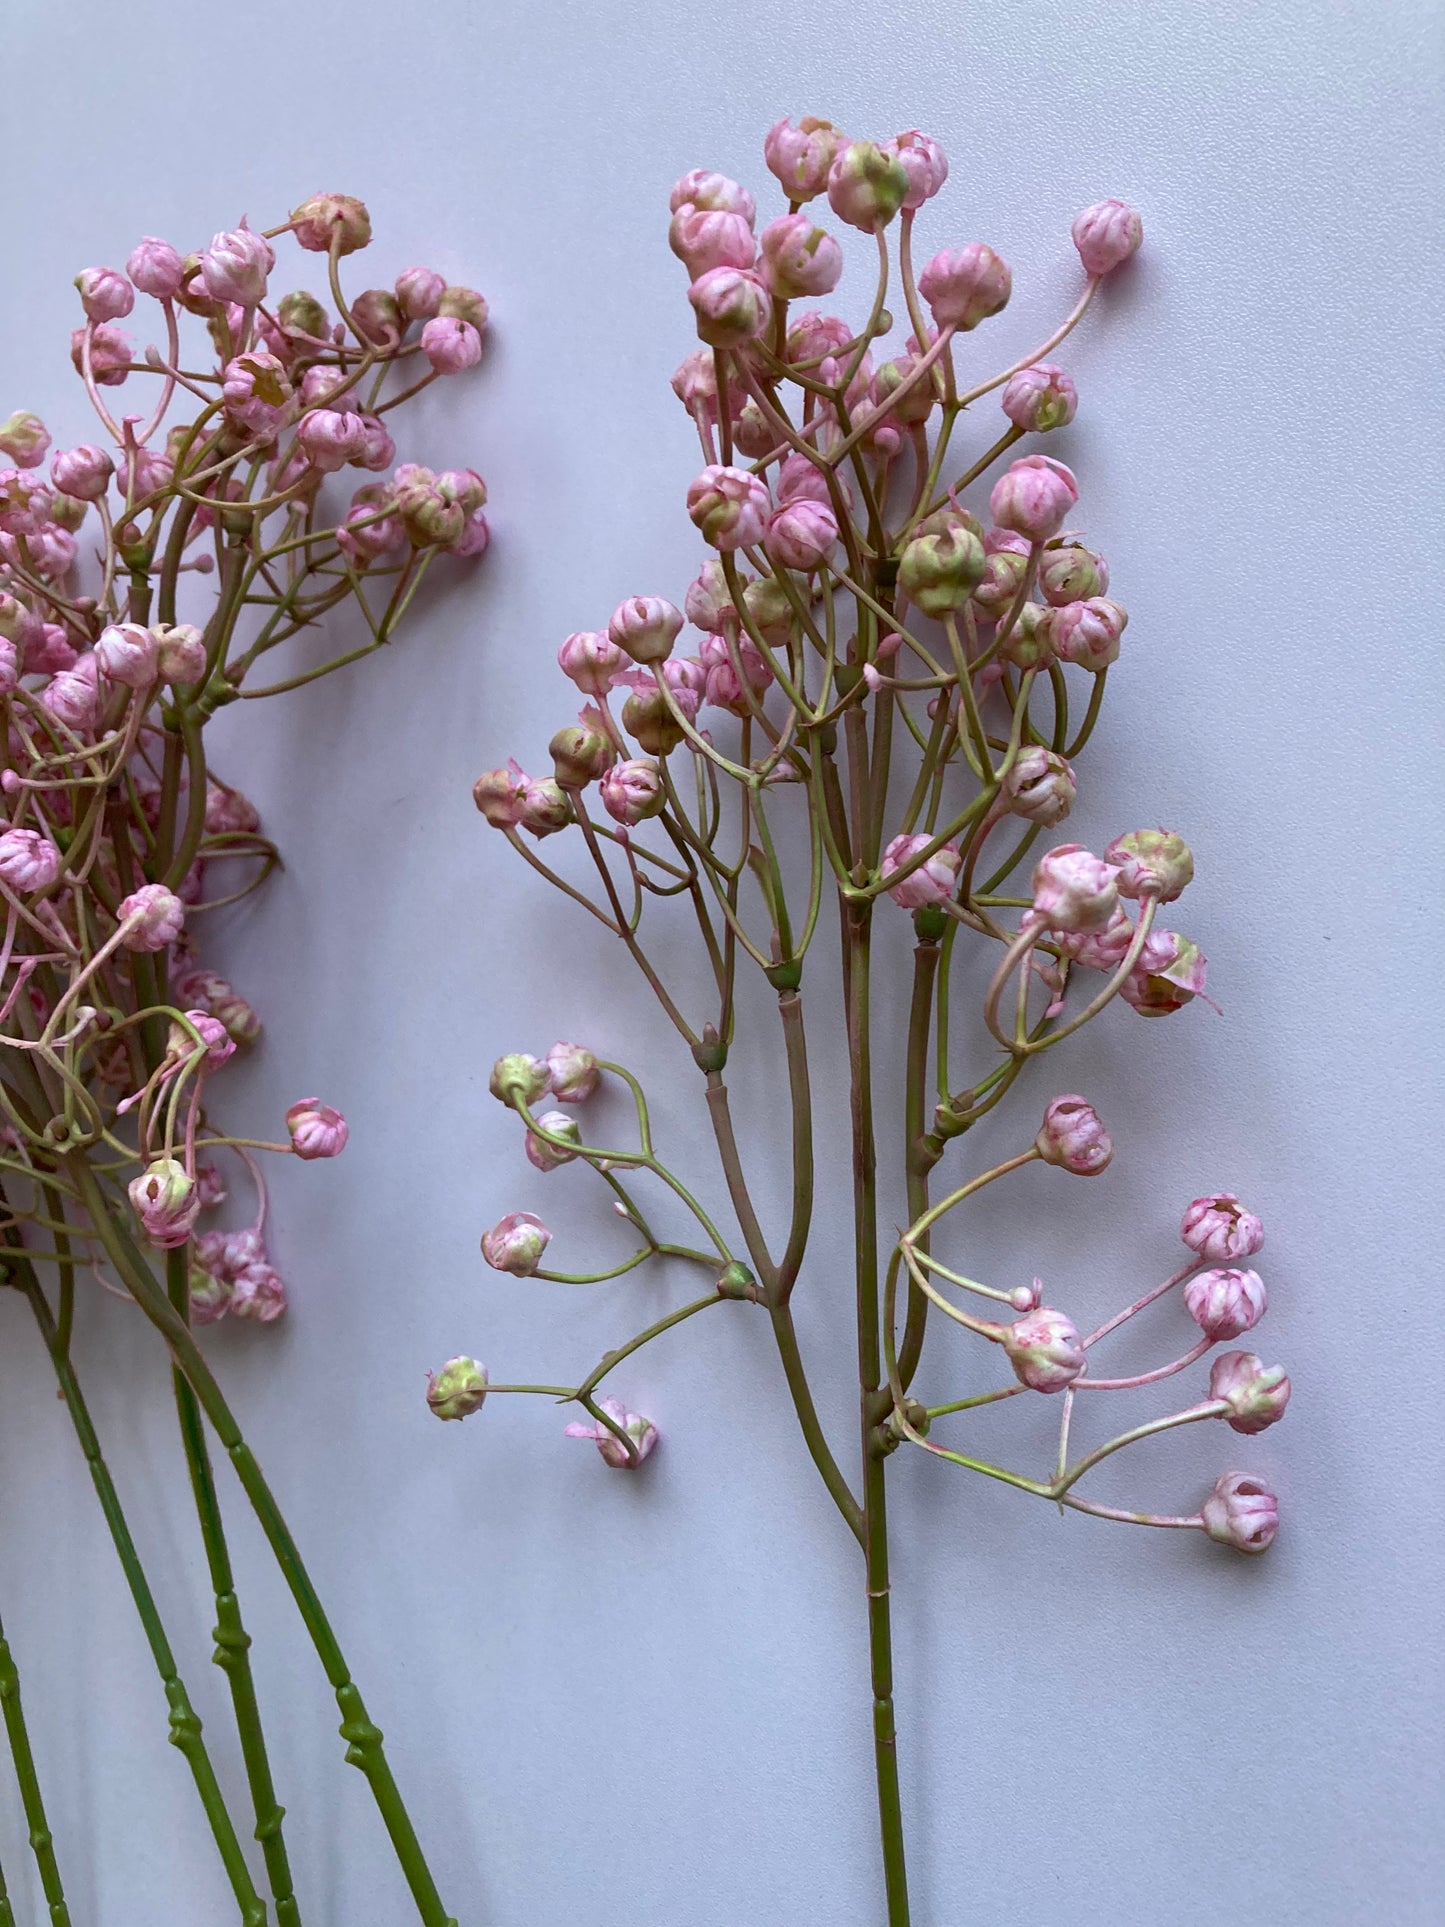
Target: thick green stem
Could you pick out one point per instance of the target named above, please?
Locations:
(40, 1841)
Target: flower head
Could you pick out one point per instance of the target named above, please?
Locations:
(516, 1243)
(1073, 1137)
(1241, 1512)
(458, 1389)
(1220, 1229)
(316, 1130)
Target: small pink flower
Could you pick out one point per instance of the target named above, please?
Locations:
(1255, 1393)
(1171, 971)
(799, 156)
(516, 1243)
(964, 286)
(545, 808)
(322, 217)
(28, 860)
(694, 382)
(1087, 633)
(814, 337)
(105, 294)
(1068, 572)
(258, 1292)
(1106, 234)
(573, 1072)
(518, 1075)
(235, 266)
(419, 293)
(705, 238)
(932, 882)
(166, 1202)
(181, 656)
(331, 438)
(642, 1432)
(1220, 1230)
(732, 306)
(209, 1289)
(726, 682)
(1074, 890)
(801, 535)
(799, 480)
(799, 259)
(1045, 1350)
(703, 188)
(1073, 1137)
(229, 812)
(450, 344)
(591, 659)
(729, 506)
(1033, 496)
(24, 438)
(128, 653)
(458, 1389)
(547, 1156)
(1101, 949)
(316, 1130)
(644, 628)
(369, 532)
(1040, 787)
(1226, 1303)
(216, 1041)
(1157, 863)
(1241, 1512)
(632, 791)
(924, 162)
(83, 473)
(109, 354)
(257, 392)
(151, 917)
(156, 268)
(866, 186)
(210, 1186)
(1040, 398)
(997, 589)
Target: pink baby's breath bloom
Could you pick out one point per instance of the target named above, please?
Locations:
(964, 286)
(324, 219)
(1045, 1350)
(1033, 496)
(866, 186)
(545, 1155)
(1153, 863)
(802, 534)
(155, 268)
(83, 473)
(28, 860)
(105, 294)
(109, 354)
(450, 344)
(1087, 633)
(24, 438)
(1241, 1512)
(644, 628)
(729, 506)
(1040, 787)
(932, 882)
(516, 1243)
(799, 258)
(545, 808)
(1226, 1303)
(419, 293)
(642, 1432)
(166, 1202)
(729, 678)
(924, 162)
(217, 1044)
(1073, 1137)
(257, 392)
(591, 659)
(128, 653)
(1073, 889)
(235, 266)
(573, 1071)
(633, 791)
(1220, 1230)
(331, 438)
(73, 695)
(1039, 398)
(800, 154)
(732, 306)
(151, 917)
(1255, 1393)
(316, 1130)
(704, 238)
(703, 188)
(458, 1389)
(1106, 234)
(1171, 971)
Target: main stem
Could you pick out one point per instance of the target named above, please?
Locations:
(873, 1404)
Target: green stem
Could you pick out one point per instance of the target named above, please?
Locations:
(35, 1821)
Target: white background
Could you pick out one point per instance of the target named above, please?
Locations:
(646, 1699)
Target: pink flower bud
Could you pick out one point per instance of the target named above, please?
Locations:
(997, 588)
(798, 258)
(323, 387)
(708, 601)
(166, 1202)
(370, 533)
(694, 382)
(128, 653)
(228, 812)
(645, 627)
(1154, 863)
(866, 186)
(458, 1389)
(729, 506)
(1073, 1137)
(9, 667)
(1040, 787)
(1225, 1304)
(924, 162)
(181, 653)
(217, 1046)
(1241, 1512)
(581, 753)
(732, 306)
(574, 1072)
(1045, 1350)
(109, 354)
(547, 1156)
(155, 268)
(799, 157)
(1068, 572)
(331, 439)
(464, 304)
(939, 569)
(321, 218)
(105, 294)
(801, 535)
(1033, 496)
(545, 808)
(713, 192)
(73, 695)
(964, 286)
(257, 1292)
(641, 1431)
(591, 659)
(799, 480)
(154, 471)
(419, 293)
(1087, 633)
(28, 860)
(813, 337)
(209, 1289)
(500, 795)
(1106, 234)
(1073, 890)
(516, 1243)
(706, 238)
(24, 438)
(932, 882)
(257, 392)
(1255, 1393)
(316, 1130)
(1039, 398)
(519, 1077)
(1101, 949)
(914, 404)
(1170, 973)
(1219, 1229)
(234, 267)
(451, 345)
(151, 917)
(83, 472)
(632, 791)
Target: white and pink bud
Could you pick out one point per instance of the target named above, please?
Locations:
(642, 1432)
(545, 808)
(1255, 1393)
(316, 1130)
(1170, 972)
(591, 659)
(581, 752)
(1040, 786)
(73, 695)
(798, 258)
(801, 535)
(1087, 633)
(500, 795)
(216, 1046)
(324, 221)
(799, 155)
(574, 1072)
(24, 438)
(866, 186)
(519, 1078)
(419, 292)
(1073, 1137)
(257, 393)
(704, 238)
(923, 161)
(128, 653)
(151, 918)
(1039, 398)
(933, 881)
(28, 860)
(964, 286)
(632, 791)
(235, 266)
(702, 188)
(1220, 1230)
(1106, 234)
(1045, 1350)
(1073, 889)
(516, 1243)
(83, 473)
(156, 268)
(545, 1154)
(331, 437)
(180, 653)
(940, 568)
(1241, 1512)
(1226, 1303)
(105, 294)
(732, 306)
(165, 1200)
(450, 344)
(1151, 863)
(644, 628)
(109, 353)
(458, 1389)
(1068, 572)
(729, 507)
(1034, 496)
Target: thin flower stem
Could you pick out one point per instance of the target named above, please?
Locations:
(37, 1827)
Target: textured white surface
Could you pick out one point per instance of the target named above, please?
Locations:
(646, 1699)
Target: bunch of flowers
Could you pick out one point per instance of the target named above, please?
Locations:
(144, 578)
(890, 688)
